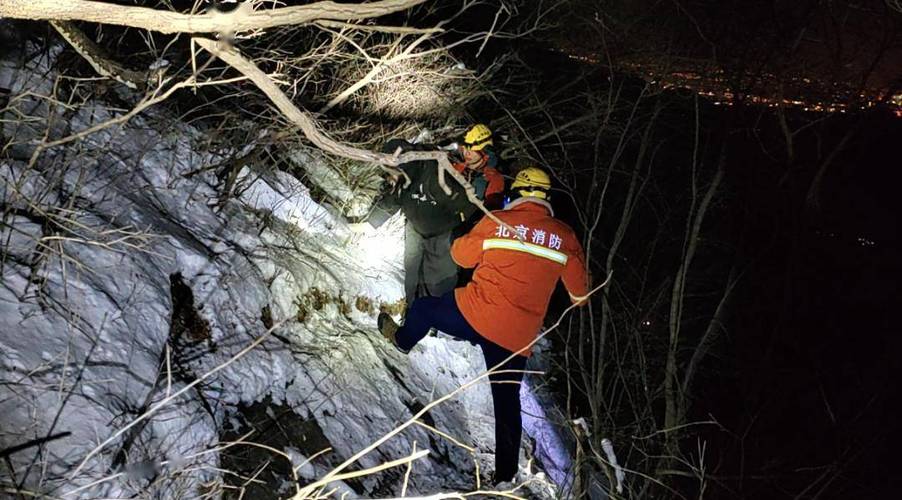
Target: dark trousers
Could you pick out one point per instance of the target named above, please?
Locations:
(442, 313)
(429, 270)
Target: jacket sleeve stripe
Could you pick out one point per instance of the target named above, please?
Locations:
(519, 246)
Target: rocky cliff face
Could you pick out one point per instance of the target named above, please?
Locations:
(132, 287)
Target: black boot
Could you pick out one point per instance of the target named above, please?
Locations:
(497, 479)
(389, 328)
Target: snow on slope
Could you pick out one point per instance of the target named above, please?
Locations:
(86, 339)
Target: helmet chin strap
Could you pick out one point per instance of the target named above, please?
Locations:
(479, 163)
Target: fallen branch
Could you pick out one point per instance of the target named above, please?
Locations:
(311, 130)
(243, 18)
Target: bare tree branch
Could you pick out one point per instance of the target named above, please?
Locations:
(403, 30)
(241, 19)
(94, 55)
(310, 129)
(149, 100)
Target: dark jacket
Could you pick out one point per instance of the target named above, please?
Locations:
(428, 209)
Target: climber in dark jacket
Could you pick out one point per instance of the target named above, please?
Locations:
(432, 215)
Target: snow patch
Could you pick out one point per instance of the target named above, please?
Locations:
(87, 334)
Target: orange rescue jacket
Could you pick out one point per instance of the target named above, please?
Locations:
(508, 297)
(492, 193)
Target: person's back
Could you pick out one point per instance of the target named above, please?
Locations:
(508, 297)
(425, 204)
(502, 309)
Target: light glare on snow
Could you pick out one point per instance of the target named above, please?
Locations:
(378, 247)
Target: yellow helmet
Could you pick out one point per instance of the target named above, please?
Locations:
(532, 181)
(478, 137)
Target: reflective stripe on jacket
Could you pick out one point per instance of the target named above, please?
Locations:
(512, 285)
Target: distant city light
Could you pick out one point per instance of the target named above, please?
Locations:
(811, 95)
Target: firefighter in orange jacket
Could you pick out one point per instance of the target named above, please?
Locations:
(503, 307)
